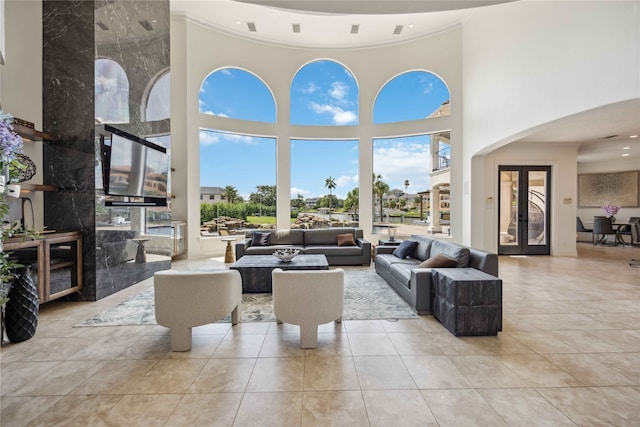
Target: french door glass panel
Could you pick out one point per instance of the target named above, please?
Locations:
(524, 210)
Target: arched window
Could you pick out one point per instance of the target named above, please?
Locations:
(112, 92)
(237, 94)
(420, 94)
(324, 93)
(159, 100)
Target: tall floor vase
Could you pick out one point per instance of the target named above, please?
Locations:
(21, 313)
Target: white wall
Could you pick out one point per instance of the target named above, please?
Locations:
(619, 165)
(206, 50)
(21, 80)
(528, 63)
(563, 200)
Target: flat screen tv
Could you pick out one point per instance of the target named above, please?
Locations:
(133, 168)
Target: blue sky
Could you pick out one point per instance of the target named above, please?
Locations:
(322, 93)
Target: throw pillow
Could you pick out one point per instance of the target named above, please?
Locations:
(438, 261)
(346, 240)
(260, 238)
(405, 248)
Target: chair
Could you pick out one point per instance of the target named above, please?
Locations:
(580, 228)
(308, 298)
(601, 229)
(187, 299)
(627, 230)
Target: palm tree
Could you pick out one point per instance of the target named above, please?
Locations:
(230, 193)
(406, 184)
(330, 183)
(380, 188)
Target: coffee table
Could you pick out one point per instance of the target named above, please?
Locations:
(256, 269)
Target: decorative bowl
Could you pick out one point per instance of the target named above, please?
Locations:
(286, 255)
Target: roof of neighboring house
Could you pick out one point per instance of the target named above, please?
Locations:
(211, 190)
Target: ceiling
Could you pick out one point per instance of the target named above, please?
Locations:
(601, 134)
(329, 23)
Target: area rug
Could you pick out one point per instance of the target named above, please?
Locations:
(366, 296)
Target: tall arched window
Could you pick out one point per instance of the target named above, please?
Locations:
(237, 94)
(159, 100)
(112, 92)
(421, 94)
(324, 93)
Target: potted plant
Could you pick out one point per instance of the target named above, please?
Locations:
(10, 166)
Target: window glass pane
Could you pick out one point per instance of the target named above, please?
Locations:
(112, 92)
(237, 94)
(509, 185)
(414, 95)
(401, 184)
(537, 207)
(324, 93)
(159, 101)
(324, 183)
(237, 182)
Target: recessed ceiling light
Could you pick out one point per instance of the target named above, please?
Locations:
(238, 22)
(252, 26)
(627, 148)
(410, 25)
(633, 136)
(626, 155)
(398, 29)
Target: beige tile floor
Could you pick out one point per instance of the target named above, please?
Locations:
(569, 355)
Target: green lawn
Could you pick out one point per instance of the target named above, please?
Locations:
(261, 220)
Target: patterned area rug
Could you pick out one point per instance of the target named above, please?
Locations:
(366, 296)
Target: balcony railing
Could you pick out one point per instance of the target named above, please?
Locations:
(443, 159)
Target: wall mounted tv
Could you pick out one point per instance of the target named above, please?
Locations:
(134, 170)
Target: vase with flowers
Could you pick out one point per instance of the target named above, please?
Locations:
(611, 211)
(10, 165)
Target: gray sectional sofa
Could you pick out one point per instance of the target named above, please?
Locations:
(312, 241)
(413, 283)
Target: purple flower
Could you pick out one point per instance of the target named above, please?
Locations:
(610, 209)
(10, 142)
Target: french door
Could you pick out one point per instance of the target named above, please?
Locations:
(524, 206)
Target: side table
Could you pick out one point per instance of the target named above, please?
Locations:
(388, 242)
(228, 253)
(467, 301)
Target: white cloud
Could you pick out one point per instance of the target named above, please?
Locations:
(295, 191)
(238, 139)
(403, 160)
(209, 138)
(340, 116)
(311, 88)
(220, 115)
(343, 180)
(339, 91)
(226, 71)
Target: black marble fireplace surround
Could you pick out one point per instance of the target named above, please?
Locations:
(73, 38)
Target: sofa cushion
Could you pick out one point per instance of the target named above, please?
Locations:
(346, 240)
(260, 238)
(423, 250)
(287, 237)
(402, 272)
(438, 261)
(325, 236)
(268, 250)
(333, 250)
(405, 248)
(459, 253)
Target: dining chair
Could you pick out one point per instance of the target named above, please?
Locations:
(602, 228)
(580, 228)
(627, 230)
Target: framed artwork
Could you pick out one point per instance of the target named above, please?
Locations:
(616, 188)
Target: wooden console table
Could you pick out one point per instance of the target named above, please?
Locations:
(58, 257)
